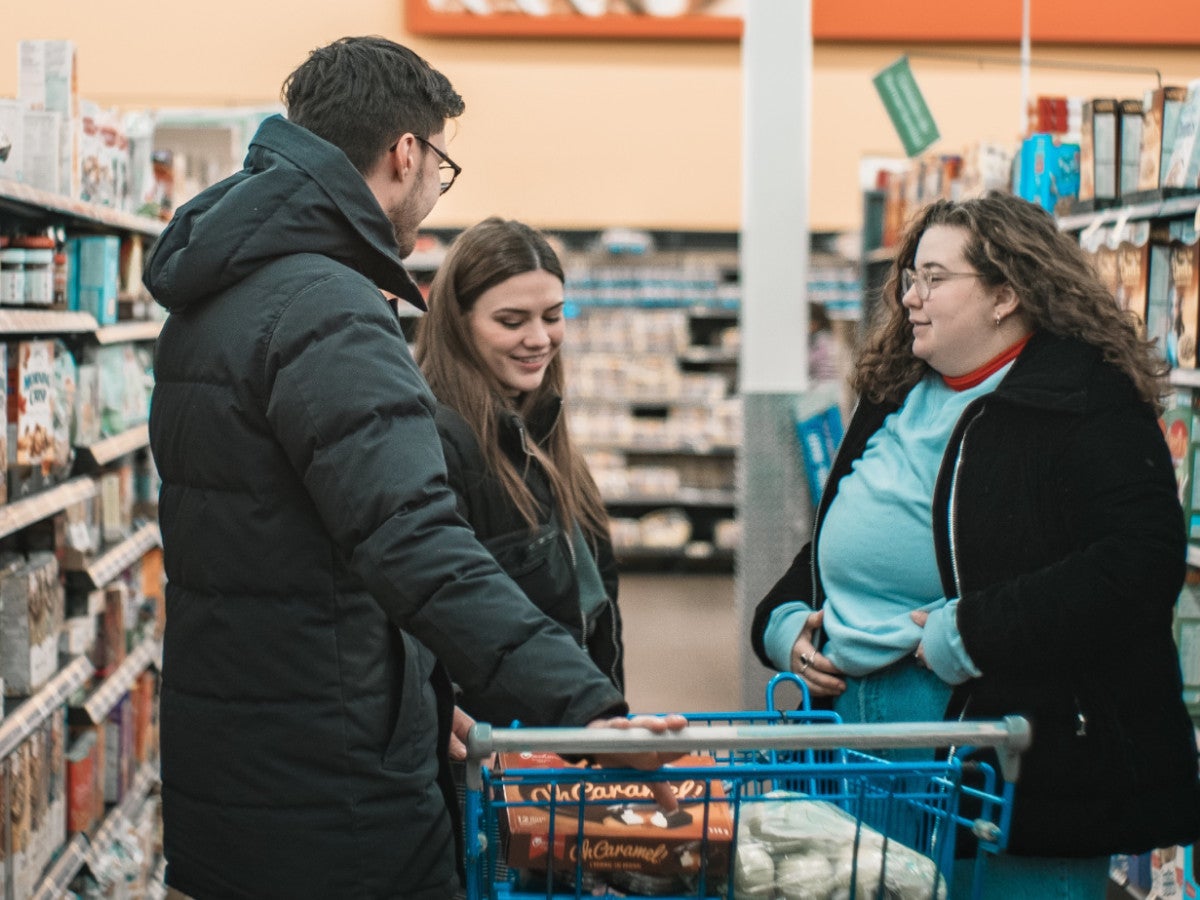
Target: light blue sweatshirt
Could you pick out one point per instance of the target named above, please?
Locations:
(876, 553)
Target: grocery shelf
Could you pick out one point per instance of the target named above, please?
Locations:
(45, 321)
(105, 451)
(710, 355)
(1189, 378)
(104, 568)
(101, 701)
(63, 870)
(20, 723)
(125, 332)
(121, 814)
(32, 203)
(682, 497)
(1170, 208)
(19, 513)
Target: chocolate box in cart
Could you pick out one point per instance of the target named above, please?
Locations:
(623, 829)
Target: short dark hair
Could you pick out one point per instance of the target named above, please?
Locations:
(362, 93)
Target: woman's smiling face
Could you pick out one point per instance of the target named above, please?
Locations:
(517, 327)
(955, 329)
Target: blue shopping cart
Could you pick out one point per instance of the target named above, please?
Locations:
(773, 804)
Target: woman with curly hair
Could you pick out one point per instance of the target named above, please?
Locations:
(1000, 535)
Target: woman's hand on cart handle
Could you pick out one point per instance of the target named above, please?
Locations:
(648, 760)
(822, 677)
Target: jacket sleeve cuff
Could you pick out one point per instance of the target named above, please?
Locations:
(944, 650)
(783, 628)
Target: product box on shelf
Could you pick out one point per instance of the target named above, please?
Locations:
(48, 79)
(1129, 124)
(118, 751)
(1178, 423)
(1048, 174)
(619, 835)
(81, 783)
(1187, 639)
(1160, 120)
(12, 140)
(97, 261)
(55, 769)
(111, 644)
(20, 776)
(1133, 268)
(31, 613)
(41, 133)
(87, 404)
(1175, 287)
(1183, 169)
(1099, 150)
(83, 735)
(5, 813)
(30, 405)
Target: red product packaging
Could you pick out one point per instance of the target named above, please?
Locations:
(621, 832)
(81, 783)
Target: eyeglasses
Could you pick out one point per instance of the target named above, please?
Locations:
(925, 280)
(448, 169)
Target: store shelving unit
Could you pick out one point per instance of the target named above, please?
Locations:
(29, 210)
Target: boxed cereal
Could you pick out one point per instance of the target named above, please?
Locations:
(31, 614)
(30, 405)
(623, 830)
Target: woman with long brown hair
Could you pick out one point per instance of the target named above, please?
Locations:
(489, 347)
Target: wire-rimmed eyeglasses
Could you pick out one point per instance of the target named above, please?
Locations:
(448, 169)
(925, 280)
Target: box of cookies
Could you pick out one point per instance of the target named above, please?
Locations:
(623, 830)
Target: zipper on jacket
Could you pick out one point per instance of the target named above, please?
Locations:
(812, 557)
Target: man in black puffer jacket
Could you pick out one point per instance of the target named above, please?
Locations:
(313, 551)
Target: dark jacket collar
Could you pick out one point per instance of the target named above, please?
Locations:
(296, 194)
(537, 424)
(1064, 374)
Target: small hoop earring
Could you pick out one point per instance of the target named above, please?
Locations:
(998, 319)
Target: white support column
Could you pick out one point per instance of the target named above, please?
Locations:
(773, 502)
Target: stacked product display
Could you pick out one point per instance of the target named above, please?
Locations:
(81, 584)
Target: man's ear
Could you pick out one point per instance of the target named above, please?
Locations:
(399, 161)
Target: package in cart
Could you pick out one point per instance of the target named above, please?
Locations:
(623, 831)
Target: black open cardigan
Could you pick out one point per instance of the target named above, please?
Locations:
(1056, 523)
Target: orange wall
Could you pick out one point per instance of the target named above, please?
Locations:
(564, 133)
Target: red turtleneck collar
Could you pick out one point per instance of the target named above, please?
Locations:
(971, 379)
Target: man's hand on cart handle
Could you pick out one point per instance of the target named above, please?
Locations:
(648, 760)
(822, 677)
(460, 727)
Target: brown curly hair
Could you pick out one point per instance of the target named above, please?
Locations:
(1014, 242)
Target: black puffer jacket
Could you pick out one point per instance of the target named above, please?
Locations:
(309, 531)
(541, 562)
(1056, 523)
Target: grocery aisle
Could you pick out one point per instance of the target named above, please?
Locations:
(681, 645)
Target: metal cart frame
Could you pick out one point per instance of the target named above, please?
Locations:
(808, 754)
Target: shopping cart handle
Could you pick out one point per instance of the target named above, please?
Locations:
(1010, 737)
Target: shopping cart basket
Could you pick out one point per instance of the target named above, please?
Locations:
(788, 804)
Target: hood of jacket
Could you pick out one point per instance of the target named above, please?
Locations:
(297, 193)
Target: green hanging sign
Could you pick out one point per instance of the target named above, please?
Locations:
(906, 107)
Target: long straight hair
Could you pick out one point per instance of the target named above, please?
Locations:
(480, 258)
(1010, 241)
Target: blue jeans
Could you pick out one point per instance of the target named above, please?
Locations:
(908, 692)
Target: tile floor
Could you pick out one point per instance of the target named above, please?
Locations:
(681, 642)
